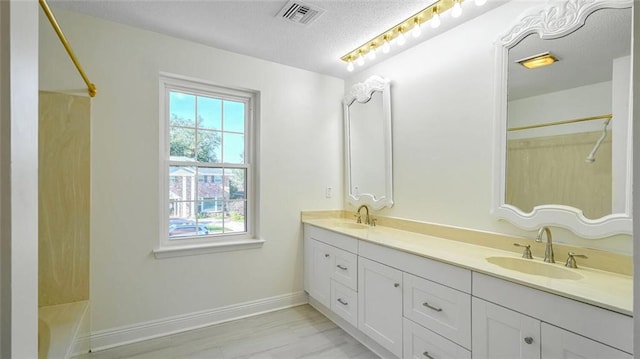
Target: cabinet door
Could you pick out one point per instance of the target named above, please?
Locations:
(561, 344)
(500, 333)
(318, 260)
(380, 304)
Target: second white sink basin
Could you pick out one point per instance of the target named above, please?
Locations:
(530, 266)
(350, 225)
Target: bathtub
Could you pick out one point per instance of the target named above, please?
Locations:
(61, 329)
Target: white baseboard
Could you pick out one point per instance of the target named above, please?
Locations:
(110, 338)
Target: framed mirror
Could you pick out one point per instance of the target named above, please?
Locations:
(368, 148)
(563, 129)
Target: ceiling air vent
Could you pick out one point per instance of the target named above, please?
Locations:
(300, 13)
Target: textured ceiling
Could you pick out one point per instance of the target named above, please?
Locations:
(251, 27)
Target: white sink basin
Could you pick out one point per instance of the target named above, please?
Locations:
(530, 266)
(350, 225)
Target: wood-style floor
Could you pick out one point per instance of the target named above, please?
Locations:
(299, 332)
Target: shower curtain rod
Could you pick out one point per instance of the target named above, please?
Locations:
(601, 117)
(91, 88)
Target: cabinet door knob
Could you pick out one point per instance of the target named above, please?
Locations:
(341, 267)
(428, 355)
(396, 285)
(326, 255)
(528, 340)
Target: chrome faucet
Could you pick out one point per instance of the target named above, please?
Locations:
(548, 252)
(367, 219)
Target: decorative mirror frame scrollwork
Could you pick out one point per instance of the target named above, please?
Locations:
(362, 92)
(553, 20)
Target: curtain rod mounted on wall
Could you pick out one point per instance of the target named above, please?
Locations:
(91, 88)
(601, 117)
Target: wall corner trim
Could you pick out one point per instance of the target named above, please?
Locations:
(110, 338)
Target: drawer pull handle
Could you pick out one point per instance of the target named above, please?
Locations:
(396, 285)
(326, 255)
(528, 340)
(341, 267)
(427, 355)
(343, 302)
(426, 304)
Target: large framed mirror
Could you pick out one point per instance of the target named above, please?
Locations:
(563, 129)
(368, 147)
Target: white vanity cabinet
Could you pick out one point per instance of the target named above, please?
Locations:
(380, 304)
(409, 306)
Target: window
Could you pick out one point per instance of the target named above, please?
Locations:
(207, 163)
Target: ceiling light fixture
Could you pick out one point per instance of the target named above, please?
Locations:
(457, 9)
(430, 13)
(435, 18)
(539, 60)
(385, 46)
(360, 59)
(350, 66)
(371, 55)
(401, 39)
(416, 31)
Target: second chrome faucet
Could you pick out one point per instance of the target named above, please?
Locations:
(548, 252)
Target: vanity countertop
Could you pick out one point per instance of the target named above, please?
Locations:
(608, 290)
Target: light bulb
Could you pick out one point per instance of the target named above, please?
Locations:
(457, 9)
(350, 66)
(385, 46)
(435, 20)
(401, 39)
(416, 31)
(360, 60)
(481, 2)
(371, 55)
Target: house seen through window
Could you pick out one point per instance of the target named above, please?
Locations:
(208, 163)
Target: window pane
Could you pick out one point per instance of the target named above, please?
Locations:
(182, 109)
(209, 113)
(209, 146)
(181, 183)
(182, 144)
(236, 182)
(210, 216)
(233, 148)
(236, 219)
(181, 213)
(210, 183)
(234, 116)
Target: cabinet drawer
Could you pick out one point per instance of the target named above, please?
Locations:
(444, 310)
(344, 302)
(345, 268)
(422, 343)
(335, 239)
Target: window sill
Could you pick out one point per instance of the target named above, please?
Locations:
(195, 249)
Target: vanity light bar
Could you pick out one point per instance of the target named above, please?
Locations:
(411, 24)
(539, 60)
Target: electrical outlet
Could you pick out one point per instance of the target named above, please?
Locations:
(328, 192)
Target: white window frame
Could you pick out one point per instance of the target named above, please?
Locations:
(219, 242)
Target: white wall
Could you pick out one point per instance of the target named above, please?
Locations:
(442, 113)
(300, 155)
(19, 179)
